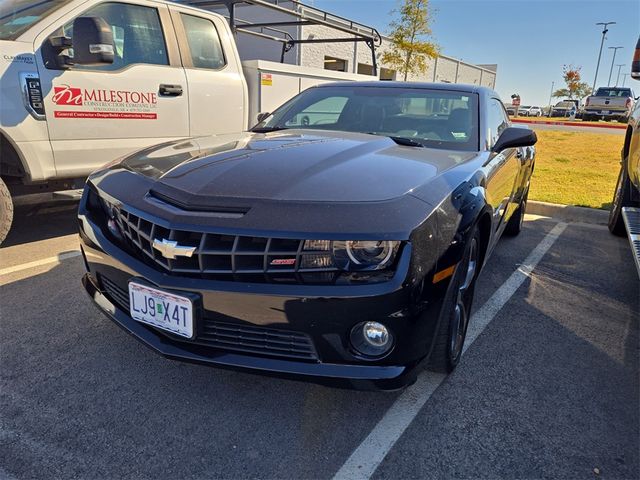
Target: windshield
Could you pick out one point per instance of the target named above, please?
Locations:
(17, 16)
(433, 118)
(613, 92)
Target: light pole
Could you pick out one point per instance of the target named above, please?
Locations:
(604, 32)
(619, 65)
(550, 97)
(624, 78)
(615, 50)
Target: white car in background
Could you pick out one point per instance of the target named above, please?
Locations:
(534, 112)
(523, 111)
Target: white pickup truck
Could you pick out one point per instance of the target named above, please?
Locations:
(83, 82)
(609, 103)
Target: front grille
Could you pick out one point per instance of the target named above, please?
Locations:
(233, 337)
(232, 257)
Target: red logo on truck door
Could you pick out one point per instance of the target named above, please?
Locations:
(107, 104)
(66, 95)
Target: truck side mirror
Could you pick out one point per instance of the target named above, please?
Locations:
(92, 41)
(635, 63)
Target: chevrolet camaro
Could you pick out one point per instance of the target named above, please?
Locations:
(339, 240)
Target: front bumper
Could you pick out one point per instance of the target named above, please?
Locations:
(325, 313)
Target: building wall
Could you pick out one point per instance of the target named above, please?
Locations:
(442, 69)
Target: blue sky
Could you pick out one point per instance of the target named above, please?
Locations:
(530, 40)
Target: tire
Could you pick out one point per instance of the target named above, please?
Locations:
(622, 197)
(456, 310)
(6, 211)
(514, 225)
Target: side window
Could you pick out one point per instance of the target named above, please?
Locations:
(498, 119)
(137, 35)
(324, 112)
(204, 42)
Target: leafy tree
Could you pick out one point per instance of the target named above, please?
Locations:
(409, 39)
(575, 88)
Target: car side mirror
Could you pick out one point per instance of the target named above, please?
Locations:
(513, 137)
(92, 41)
(635, 63)
(263, 116)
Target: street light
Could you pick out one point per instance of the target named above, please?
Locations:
(624, 78)
(615, 50)
(550, 96)
(604, 32)
(619, 65)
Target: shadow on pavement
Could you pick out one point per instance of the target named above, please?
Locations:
(32, 223)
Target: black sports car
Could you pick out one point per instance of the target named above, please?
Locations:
(339, 240)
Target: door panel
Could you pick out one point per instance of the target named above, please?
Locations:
(502, 170)
(114, 109)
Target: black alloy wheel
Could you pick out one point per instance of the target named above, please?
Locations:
(456, 310)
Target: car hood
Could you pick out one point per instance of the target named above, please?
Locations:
(291, 165)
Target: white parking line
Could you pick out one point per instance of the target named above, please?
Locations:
(45, 261)
(365, 459)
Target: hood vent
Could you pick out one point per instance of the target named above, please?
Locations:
(210, 210)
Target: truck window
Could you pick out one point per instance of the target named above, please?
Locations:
(204, 42)
(613, 92)
(137, 35)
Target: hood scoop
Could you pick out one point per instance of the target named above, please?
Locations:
(182, 205)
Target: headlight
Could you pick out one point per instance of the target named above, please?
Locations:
(364, 254)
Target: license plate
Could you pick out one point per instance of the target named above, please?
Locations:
(167, 311)
(605, 112)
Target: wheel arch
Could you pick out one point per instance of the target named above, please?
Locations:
(12, 164)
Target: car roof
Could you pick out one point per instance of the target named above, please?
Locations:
(458, 87)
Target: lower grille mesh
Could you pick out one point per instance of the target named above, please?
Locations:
(234, 337)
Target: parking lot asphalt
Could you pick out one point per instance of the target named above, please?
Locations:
(549, 389)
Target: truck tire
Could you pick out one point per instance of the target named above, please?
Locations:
(6, 211)
(622, 197)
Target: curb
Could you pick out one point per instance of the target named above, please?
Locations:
(569, 124)
(568, 213)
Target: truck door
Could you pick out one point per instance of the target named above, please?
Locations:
(98, 113)
(217, 88)
(503, 168)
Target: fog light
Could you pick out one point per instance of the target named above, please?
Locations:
(371, 339)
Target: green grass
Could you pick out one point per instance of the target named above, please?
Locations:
(576, 168)
(566, 119)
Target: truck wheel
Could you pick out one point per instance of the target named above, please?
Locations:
(456, 309)
(6, 211)
(621, 198)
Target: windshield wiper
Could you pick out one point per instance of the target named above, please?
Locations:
(407, 142)
(267, 129)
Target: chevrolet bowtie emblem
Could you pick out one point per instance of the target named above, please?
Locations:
(170, 248)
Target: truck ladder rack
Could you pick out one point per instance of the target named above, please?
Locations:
(631, 218)
(303, 15)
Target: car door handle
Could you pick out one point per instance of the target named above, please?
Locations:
(167, 90)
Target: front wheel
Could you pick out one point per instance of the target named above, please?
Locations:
(6, 211)
(456, 310)
(621, 198)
